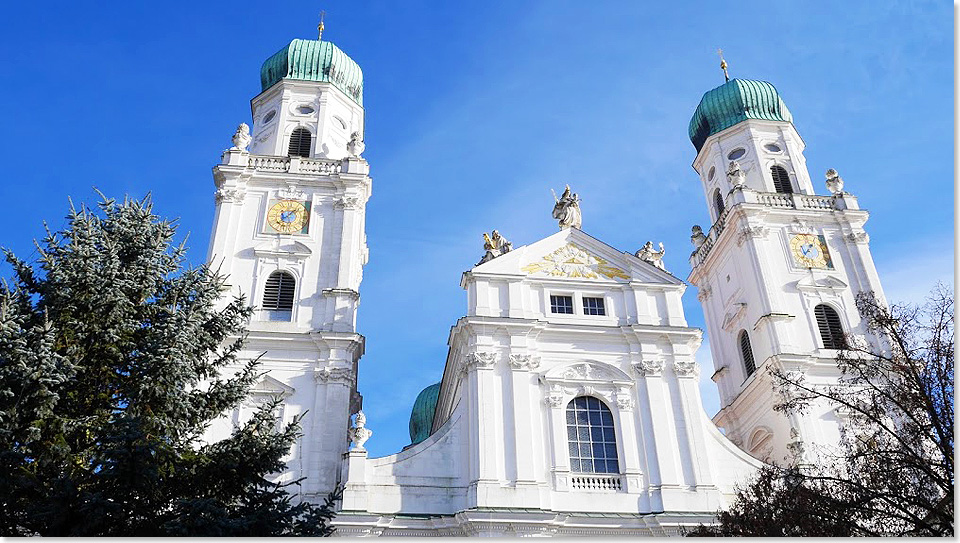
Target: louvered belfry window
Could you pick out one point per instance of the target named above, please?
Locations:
(831, 330)
(781, 180)
(746, 351)
(278, 296)
(300, 142)
(718, 202)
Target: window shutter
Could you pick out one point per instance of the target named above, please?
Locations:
(300, 143)
(278, 292)
(831, 330)
(746, 351)
(781, 181)
(718, 202)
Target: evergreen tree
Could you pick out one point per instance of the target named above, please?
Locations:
(893, 472)
(112, 365)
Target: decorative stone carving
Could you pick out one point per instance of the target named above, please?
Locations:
(241, 138)
(735, 175)
(703, 292)
(574, 261)
(751, 231)
(834, 182)
(858, 237)
(524, 361)
(355, 146)
(328, 374)
(649, 367)
(554, 397)
(230, 195)
(495, 245)
(697, 238)
(359, 434)
(800, 226)
(647, 254)
(796, 445)
(623, 399)
(567, 209)
(290, 192)
(347, 202)
(480, 359)
(686, 368)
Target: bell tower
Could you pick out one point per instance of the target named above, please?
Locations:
(289, 232)
(777, 272)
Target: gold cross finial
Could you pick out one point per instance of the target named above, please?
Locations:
(723, 65)
(320, 26)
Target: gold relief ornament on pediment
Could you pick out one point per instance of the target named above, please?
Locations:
(574, 261)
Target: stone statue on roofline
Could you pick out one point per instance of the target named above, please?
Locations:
(241, 138)
(359, 433)
(567, 209)
(494, 245)
(648, 254)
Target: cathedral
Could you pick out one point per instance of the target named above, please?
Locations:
(569, 402)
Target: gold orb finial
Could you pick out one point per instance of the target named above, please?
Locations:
(320, 26)
(723, 65)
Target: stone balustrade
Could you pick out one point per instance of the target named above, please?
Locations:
(597, 483)
(768, 199)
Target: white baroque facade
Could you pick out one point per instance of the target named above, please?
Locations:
(569, 402)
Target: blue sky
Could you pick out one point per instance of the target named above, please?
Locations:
(475, 110)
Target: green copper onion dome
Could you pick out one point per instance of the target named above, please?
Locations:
(733, 102)
(421, 418)
(314, 60)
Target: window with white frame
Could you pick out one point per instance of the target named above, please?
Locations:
(593, 306)
(561, 304)
(591, 438)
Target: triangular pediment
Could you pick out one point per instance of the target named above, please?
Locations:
(272, 387)
(573, 254)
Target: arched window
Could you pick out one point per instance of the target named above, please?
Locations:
(718, 202)
(831, 331)
(300, 142)
(746, 352)
(278, 296)
(591, 437)
(781, 181)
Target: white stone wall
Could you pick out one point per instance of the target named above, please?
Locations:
(500, 435)
(749, 279)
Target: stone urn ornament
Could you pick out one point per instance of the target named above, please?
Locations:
(359, 434)
(697, 238)
(355, 146)
(241, 138)
(834, 182)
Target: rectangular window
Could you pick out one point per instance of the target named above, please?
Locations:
(561, 304)
(593, 306)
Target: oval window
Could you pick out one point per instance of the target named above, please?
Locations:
(340, 123)
(305, 110)
(713, 171)
(772, 147)
(737, 153)
(269, 116)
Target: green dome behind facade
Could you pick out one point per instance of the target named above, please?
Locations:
(314, 60)
(421, 418)
(733, 102)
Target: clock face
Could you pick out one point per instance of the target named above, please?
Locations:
(287, 216)
(810, 251)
